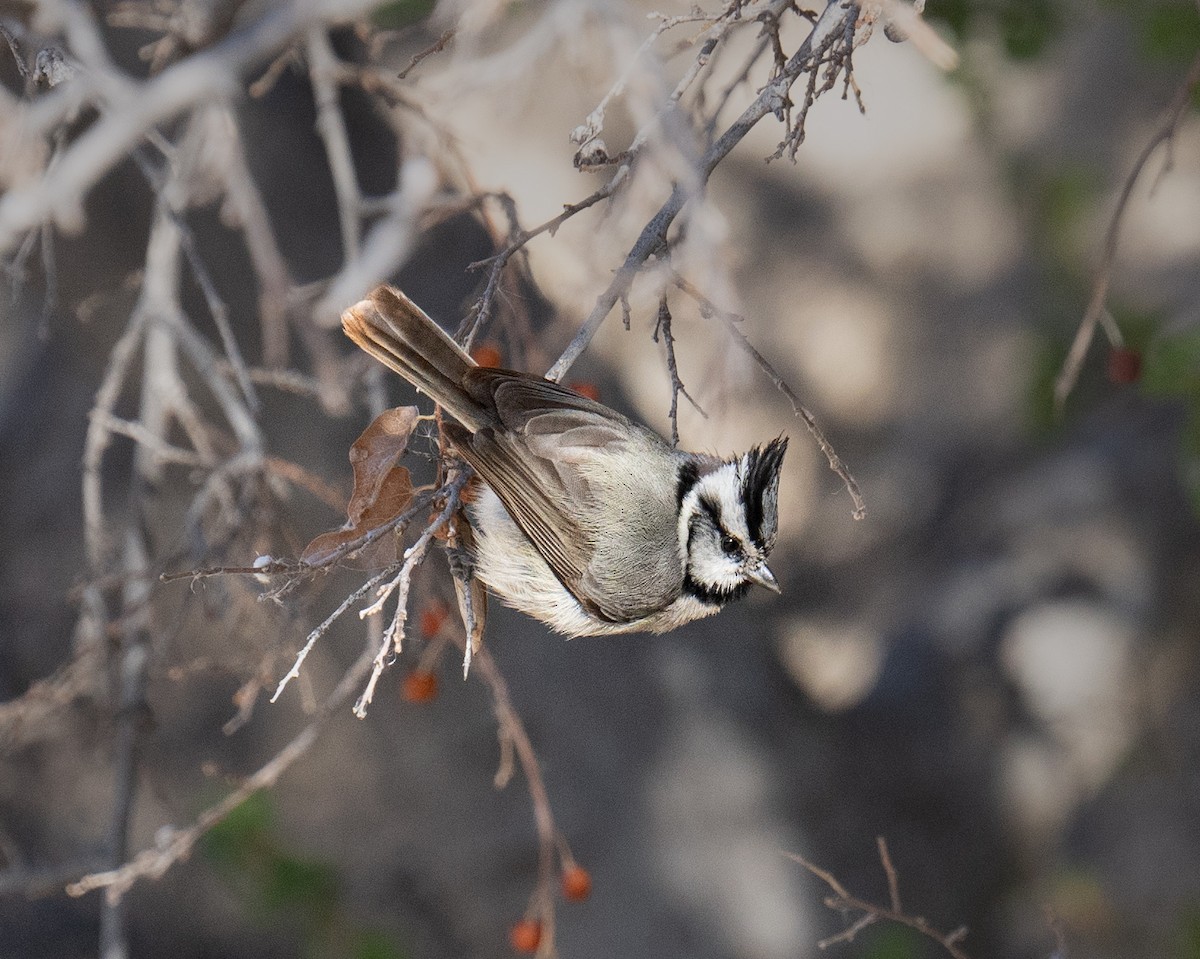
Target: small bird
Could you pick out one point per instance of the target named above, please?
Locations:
(588, 522)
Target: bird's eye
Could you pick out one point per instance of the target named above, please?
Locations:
(730, 545)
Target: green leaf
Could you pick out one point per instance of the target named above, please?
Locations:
(401, 13)
(1171, 365)
(373, 944)
(230, 842)
(305, 884)
(1171, 31)
(1027, 27)
(893, 942)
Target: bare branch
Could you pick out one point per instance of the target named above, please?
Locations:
(331, 125)
(207, 76)
(515, 740)
(663, 327)
(1097, 305)
(893, 879)
(177, 844)
(732, 322)
(844, 901)
(653, 238)
(437, 46)
(414, 556)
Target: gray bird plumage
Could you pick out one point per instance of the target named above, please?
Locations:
(590, 522)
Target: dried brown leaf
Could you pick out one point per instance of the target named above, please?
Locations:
(374, 454)
(382, 490)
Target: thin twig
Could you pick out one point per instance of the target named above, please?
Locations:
(844, 901)
(437, 46)
(830, 24)
(34, 881)
(514, 737)
(481, 311)
(893, 878)
(323, 628)
(391, 642)
(663, 328)
(177, 844)
(731, 322)
(1165, 135)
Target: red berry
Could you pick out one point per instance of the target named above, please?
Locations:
(433, 618)
(486, 354)
(576, 883)
(420, 686)
(1124, 365)
(525, 935)
(586, 389)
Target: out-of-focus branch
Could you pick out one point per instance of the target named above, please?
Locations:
(830, 25)
(133, 659)
(844, 901)
(1097, 306)
(209, 75)
(515, 740)
(244, 201)
(387, 245)
(732, 323)
(331, 126)
(177, 844)
(36, 881)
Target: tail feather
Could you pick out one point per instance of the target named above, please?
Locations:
(398, 333)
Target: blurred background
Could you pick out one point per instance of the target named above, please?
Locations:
(996, 669)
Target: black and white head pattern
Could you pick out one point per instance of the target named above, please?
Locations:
(728, 523)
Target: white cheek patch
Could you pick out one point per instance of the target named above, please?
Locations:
(724, 486)
(707, 563)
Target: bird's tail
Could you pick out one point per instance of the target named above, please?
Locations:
(398, 333)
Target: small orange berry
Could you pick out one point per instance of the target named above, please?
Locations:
(433, 618)
(420, 686)
(576, 883)
(525, 935)
(586, 389)
(486, 354)
(1124, 365)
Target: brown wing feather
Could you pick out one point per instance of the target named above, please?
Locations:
(536, 464)
(534, 488)
(519, 397)
(522, 483)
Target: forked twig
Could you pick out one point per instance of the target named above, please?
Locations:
(830, 25)
(177, 844)
(663, 328)
(1097, 306)
(843, 900)
(732, 323)
(514, 740)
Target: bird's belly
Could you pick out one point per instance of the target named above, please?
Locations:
(512, 568)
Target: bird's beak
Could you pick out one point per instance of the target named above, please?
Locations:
(761, 575)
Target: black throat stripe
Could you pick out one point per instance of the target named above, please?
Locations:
(689, 476)
(710, 595)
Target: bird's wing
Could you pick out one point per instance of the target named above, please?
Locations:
(546, 467)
